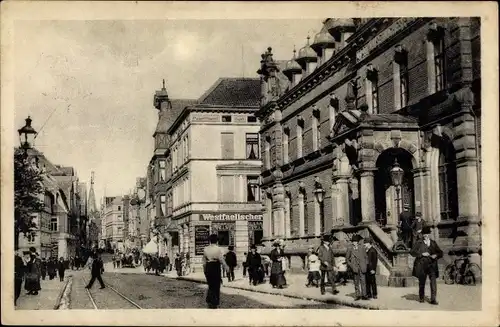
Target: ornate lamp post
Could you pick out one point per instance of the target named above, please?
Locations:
(397, 178)
(319, 193)
(29, 135)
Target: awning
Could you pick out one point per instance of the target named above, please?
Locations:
(150, 248)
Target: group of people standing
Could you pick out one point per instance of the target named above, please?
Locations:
(32, 269)
(157, 264)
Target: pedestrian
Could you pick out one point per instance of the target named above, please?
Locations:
(61, 268)
(313, 270)
(357, 261)
(33, 273)
(19, 271)
(188, 263)
(277, 256)
(341, 268)
(155, 265)
(113, 258)
(177, 263)
(231, 263)
(212, 261)
(426, 253)
(371, 269)
(417, 225)
(244, 264)
(168, 266)
(161, 262)
(405, 221)
(43, 268)
(266, 263)
(51, 268)
(254, 264)
(327, 259)
(96, 271)
(223, 267)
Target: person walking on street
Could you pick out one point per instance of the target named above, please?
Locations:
(113, 258)
(313, 269)
(357, 260)
(19, 270)
(231, 263)
(61, 268)
(371, 270)
(277, 256)
(327, 260)
(43, 268)
(405, 221)
(33, 268)
(426, 253)
(254, 264)
(96, 271)
(244, 264)
(212, 261)
(51, 268)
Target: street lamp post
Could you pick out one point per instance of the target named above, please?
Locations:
(319, 193)
(29, 135)
(397, 178)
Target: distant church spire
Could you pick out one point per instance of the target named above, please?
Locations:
(91, 205)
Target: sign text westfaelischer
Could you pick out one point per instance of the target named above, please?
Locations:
(228, 217)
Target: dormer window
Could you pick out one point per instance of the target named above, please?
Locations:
(436, 58)
(400, 72)
(333, 109)
(372, 89)
(300, 134)
(315, 128)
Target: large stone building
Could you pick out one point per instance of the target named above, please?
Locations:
(205, 173)
(360, 99)
(112, 220)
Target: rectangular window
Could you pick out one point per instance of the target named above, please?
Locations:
(226, 118)
(175, 238)
(403, 85)
(119, 208)
(251, 119)
(315, 131)
(162, 171)
(227, 191)
(253, 189)
(286, 138)
(267, 153)
(223, 236)
(374, 86)
(163, 205)
(439, 64)
(227, 145)
(252, 146)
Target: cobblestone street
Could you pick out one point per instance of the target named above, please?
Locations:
(159, 292)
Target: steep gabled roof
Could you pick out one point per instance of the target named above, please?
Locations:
(233, 91)
(168, 117)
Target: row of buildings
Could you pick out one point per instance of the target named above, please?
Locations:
(369, 116)
(64, 228)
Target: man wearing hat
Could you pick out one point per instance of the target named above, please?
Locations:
(254, 265)
(357, 260)
(426, 253)
(327, 260)
(417, 226)
(405, 220)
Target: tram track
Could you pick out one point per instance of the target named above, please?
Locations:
(115, 291)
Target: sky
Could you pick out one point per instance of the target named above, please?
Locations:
(89, 85)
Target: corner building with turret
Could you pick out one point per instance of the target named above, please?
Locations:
(362, 99)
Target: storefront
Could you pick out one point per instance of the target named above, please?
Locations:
(190, 234)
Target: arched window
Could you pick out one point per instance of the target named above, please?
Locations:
(448, 194)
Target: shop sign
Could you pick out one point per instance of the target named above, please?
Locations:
(230, 217)
(201, 234)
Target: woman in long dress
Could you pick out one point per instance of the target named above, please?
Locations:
(33, 268)
(277, 273)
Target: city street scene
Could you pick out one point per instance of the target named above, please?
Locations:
(230, 164)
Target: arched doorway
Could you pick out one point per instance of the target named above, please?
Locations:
(388, 202)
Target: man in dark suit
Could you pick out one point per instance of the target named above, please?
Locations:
(417, 226)
(426, 253)
(405, 221)
(357, 260)
(327, 260)
(371, 269)
(96, 271)
(231, 262)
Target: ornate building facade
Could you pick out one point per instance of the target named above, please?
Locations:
(206, 175)
(363, 98)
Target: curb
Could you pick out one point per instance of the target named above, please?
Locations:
(64, 300)
(329, 301)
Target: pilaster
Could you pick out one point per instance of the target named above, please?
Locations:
(367, 195)
(241, 239)
(341, 188)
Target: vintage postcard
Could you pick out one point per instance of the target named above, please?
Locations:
(211, 162)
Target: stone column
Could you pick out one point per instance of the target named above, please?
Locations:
(186, 238)
(279, 210)
(267, 217)
(300, 202)
(342, 184)
(367, 196)
(241, 239)
(181, 239)
(288, 217)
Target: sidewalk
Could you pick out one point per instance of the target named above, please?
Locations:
(450, 297)
(47, 297)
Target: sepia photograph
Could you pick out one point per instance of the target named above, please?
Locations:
(211, 156)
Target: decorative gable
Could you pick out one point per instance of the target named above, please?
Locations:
(346, 120)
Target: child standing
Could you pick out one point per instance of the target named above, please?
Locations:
(313, 276)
